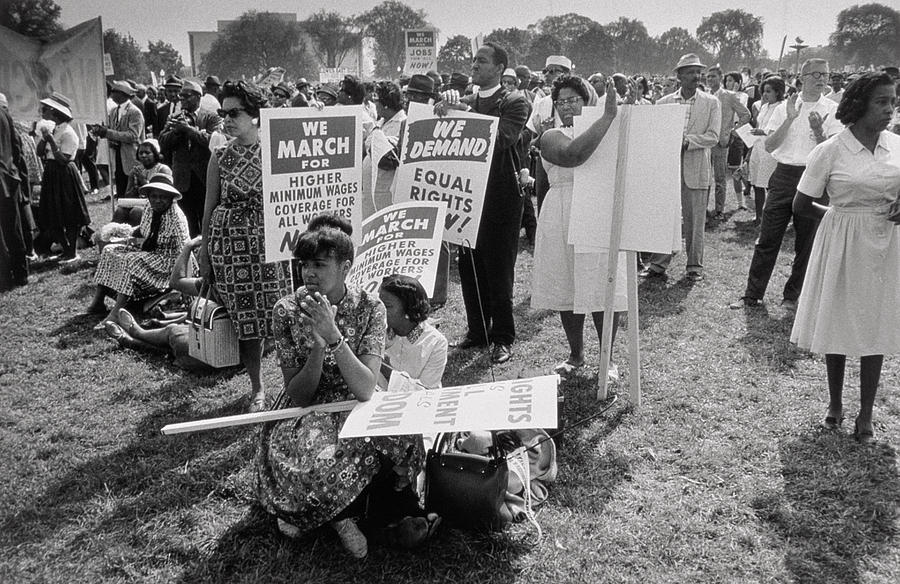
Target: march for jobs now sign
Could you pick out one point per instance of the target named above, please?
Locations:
(312, 163)
(448, 159)
(500, 405)
(402, 239)
(421, 51)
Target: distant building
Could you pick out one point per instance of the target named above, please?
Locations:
(359, 60)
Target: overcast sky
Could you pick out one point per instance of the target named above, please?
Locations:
(170, 20)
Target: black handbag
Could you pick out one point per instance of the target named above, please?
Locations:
(466, 490)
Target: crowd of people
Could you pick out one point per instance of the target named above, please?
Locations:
(185, 162)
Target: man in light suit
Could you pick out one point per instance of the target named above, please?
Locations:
(701, 133)
(186, 138)
(124, 133)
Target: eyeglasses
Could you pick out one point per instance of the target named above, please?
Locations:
(569, 101)
(230, 113)
(817, 74)
(187, 95)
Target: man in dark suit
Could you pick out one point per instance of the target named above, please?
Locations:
(186, 137)
(487, 272)
(168, 106)
(13, 179)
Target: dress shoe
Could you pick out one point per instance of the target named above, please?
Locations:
(468, 342)
(500, 353)
(789, 305)
(746, 302)
(650, 274)
(694, 276)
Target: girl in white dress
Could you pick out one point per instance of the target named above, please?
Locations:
(852, 288)
(563, 279)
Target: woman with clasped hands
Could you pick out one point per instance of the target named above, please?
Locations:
(852, 288)
(572, 283)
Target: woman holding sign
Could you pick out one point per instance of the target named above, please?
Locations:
(233, 258)
(564, 279)
(329, 340)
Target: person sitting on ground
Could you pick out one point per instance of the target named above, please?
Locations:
(329, 339)
(413, 347)
(150, 158)
(141, 268)
(173, 337)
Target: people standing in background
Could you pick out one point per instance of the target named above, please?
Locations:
(762, 164)
(543, 117)
(731, 107)
(167, 107)
(13, 189)
(210, 100)
(124, 133)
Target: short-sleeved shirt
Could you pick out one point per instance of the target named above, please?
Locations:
(66, 139)
(361, 319)
(854, 176)
(422, 354)
(800, 139)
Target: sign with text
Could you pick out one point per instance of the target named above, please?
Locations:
(71, 63)
(421, 52)
(448, 159)
(402, 239)
(500, 405)
(334, 74)
(312, 163)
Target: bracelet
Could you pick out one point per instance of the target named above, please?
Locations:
(335, 345)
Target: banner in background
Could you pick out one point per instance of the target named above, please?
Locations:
(312, 163)
(334, 74)
(70, 63)
(402, 239)
(501, 405)
(421, 52)
(448, 159)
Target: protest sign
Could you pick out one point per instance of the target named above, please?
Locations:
(448, 159)
(500, 405)
(70, 63)
(402, 239)
(334, 74)
(421, 51)
(652, 211)
(311, 163)
(271, 76)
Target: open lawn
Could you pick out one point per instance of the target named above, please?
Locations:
(721, 476)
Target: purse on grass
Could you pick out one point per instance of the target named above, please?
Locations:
(211, 336)
(468, 491)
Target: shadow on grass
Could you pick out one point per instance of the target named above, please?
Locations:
(253, 550)
(838, 506)
(151, 476)
(743, 234)
(77, 331)
(657, 300)
(768, 339)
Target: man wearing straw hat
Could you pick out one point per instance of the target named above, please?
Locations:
(701, 132)
(124, 133)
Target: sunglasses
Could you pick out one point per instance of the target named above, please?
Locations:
(230, 113)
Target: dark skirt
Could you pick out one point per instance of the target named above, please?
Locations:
(62, 198)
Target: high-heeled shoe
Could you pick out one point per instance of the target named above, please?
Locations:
(863, 436)
(352, 538)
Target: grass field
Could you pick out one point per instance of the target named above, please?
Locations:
(721, 476)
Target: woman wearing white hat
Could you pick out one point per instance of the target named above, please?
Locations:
(140, 268)
(62, 211)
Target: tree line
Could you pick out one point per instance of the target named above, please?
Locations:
(867, 34)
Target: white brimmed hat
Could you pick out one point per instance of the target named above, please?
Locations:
(689, 60)
(510, 72)
(559, 61)
(59, 102)
(161, 182)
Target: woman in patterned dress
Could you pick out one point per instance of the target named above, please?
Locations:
(233, 258)
(329, 340)
(141, 267)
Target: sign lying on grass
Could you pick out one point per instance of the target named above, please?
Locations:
(401, 239)
(514, 404)
(448, 159)
(311, 164)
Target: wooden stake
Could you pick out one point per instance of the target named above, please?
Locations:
(255, 418)
(634, 347)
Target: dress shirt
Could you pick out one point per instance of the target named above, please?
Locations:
(800, 140)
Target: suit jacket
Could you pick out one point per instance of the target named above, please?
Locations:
(731, 105)
(162, 115)
(700, 134)
(503, 198)
(125, 133)
(150, 115)
(190, 149)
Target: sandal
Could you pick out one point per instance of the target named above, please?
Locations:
(567, 368)
(257, 402)
(832, 422)
(863, 437)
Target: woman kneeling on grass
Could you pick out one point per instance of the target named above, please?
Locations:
(852, 287)
(141, 268)
(329, 339)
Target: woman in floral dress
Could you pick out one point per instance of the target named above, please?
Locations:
(234, 255)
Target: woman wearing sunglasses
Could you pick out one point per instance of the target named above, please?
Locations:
(233, 258)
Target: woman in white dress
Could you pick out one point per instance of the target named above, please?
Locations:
(762, 164)
(564, 279)
(852, 288)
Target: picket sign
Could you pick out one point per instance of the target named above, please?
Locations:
(615, 238)
(255, 418)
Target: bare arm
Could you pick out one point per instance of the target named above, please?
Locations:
(212, 201)
(560, 150)
(181, 279)
(776, 138)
